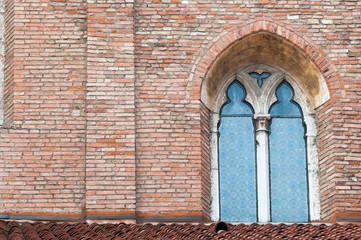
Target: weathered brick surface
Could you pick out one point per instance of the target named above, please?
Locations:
(110, 149)
(103, 98)
(42, 171)
(167, 114)
(49, 64)
(44, 154)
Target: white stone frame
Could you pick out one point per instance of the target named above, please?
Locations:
(261, 100)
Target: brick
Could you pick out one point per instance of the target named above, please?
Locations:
(102, 109)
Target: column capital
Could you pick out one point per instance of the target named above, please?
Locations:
(262, 121)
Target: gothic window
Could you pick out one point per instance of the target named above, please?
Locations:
(262, 168)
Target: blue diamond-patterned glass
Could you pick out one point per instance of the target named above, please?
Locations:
(237, 166)
(288, 169)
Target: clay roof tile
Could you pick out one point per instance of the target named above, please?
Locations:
(221, 230)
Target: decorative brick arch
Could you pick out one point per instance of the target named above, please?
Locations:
(230, 36)
(331, 79)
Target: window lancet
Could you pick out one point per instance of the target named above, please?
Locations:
(237, 158)
(288, 166)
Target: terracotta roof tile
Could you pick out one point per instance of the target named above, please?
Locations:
(84, 231)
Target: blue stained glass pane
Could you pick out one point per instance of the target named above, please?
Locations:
(288, 175)
(285, 107)
(237, 170)
(260, 77)
(236, 94)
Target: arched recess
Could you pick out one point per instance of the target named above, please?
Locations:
(266, 44)
(271, 50)
(215, 62)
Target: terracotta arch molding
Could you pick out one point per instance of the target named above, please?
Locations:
(269, 43)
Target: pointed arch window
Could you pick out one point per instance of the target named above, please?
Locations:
(262, 153)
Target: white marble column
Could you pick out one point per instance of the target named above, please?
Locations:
(263, 186)
(215, 207)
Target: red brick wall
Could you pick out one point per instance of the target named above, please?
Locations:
(103, 101)
(43, 153)
(167, 116)
(326, 164)
(110, 126)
